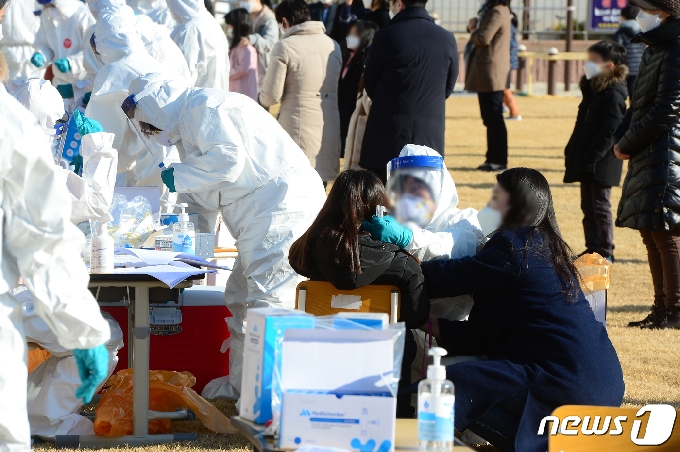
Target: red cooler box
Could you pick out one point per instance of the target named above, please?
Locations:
(189, 336)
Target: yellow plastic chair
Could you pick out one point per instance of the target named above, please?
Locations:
(322, 298)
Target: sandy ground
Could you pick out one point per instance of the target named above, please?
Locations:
(650, 370)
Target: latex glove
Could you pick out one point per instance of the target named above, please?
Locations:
(38, 60)
(387, 229)
(77, 163)
(63, 65)
(86, 125)
(168, 178)
(66, 91)
(93, 366)
(86, 98)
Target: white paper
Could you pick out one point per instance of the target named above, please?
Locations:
(168, 274)
(154, 257)
(346, 301)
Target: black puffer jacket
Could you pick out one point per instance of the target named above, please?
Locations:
(588, 156)
(381, 263)
(651, 190)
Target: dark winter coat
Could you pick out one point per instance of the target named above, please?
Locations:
(348, 91)
(334, 27)
(411, 71)
(588, 156)
(381, 263)
(634, 50)
(535, 337)
(651, 189)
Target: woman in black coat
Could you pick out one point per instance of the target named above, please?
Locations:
(650, 141)
(359, 40)
(530, 319)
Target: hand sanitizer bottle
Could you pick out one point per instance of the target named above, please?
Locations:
(101, 250)
(183, 234)
(435, 407)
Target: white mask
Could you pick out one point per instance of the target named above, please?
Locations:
(353, 42)
(410, 208)
(326, 2)
(282, 30)
(248, 6)
(166, 139)
(392, 15)
(591, 69)
(1, 35)
(368, 4)
(489, 219)
(648, 21)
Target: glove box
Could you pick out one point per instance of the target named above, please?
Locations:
(188, 335)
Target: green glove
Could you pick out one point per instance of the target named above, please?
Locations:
(93, 366)
(63, 65)
(66, 91)
(77, 163)
(168, 178)
(86, 98)
(38, 60)
(86, 125)
(387, 229)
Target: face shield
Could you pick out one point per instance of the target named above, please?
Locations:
(414, 185)
(147, 136)
(97, 55)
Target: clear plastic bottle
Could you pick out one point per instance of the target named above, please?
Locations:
(101, 250)
(183, 233)
(435, 407)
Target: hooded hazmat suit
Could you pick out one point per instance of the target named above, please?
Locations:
(42, 247)
(157, 10)
(19, 27)
(237, 158)
(61, 36)
(203, 43)
(124, 56)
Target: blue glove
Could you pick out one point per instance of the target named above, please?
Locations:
(86, 98)
(66, 91)
(387, 229)
(38, 60)
(86, 125)
(63, 65)
(93, 366)
(168, 178)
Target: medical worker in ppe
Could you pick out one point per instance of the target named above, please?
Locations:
(60, 42)
(122, 51)
(237, 158)
(157, 10)
(156, 38)
(203, 43)
(19, 28)
(41, 247)
(425, 200)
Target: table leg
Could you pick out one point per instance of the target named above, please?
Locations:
(140, 393)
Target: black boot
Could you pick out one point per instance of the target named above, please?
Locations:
(672, 320)
(653, 320)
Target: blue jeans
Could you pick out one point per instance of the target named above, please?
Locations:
(498, 425)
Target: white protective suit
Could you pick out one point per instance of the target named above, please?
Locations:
(122, 51)
(157, 10)
(62, 37)
(19, 27)
(237, 158)
(42, 247)
(203, 43)
(157, 42)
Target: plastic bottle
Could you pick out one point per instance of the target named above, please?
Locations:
(101, 250)
(435, 406)
(183, 233)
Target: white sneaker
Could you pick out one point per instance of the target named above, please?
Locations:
(514, 118)
(505, 109)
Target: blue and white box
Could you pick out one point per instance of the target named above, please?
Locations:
(372, 320)
(262, 327)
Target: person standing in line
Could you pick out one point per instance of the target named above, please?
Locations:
(487, 75)
(651, 193)
(328, 12)
(265, 33)
(411, 72)
(628, 29)
(303, 75)
(243, 76)
(508, 98)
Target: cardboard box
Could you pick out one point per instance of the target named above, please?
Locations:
(598, 303)
(347, 422)
(263, 326)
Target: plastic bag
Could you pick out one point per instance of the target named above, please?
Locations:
(168, 392)
(132, 221)
(594, 271)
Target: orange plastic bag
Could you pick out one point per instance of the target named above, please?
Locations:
(168, 391)
(594, 270)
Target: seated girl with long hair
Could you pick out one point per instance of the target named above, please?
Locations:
(335, 249)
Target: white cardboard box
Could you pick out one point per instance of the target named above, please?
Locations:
(349, 422)
(598, 303)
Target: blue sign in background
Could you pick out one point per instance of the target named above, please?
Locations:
(603, 15)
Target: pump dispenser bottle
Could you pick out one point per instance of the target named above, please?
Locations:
(183, 234)
(435, 407)
(101, 250)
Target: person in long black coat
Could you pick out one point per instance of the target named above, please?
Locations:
(411, 71)
(530, 319)
(588, 156)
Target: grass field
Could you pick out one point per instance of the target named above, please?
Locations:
(650, 359)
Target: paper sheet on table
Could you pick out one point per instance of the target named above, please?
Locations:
(154, 257)
(171, 274)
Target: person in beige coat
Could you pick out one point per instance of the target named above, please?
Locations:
(303, 75)
(487, 75)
